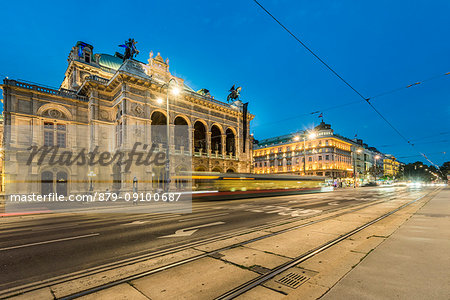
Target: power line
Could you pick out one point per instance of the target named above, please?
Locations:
(409, 85)
(342, 79)
(421, 143)
(354, 102)
(422, 138)
(434, 135)
(310, 51)
(433, 153)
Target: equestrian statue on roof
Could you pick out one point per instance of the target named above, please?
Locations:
(130, 49)
(234, 93)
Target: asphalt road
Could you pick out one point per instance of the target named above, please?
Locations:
(37, 247)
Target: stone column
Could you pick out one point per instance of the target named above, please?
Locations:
(171, 140)
(208, 143)
(224, 139)
(192, 141)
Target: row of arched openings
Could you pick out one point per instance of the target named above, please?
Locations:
(181, 138)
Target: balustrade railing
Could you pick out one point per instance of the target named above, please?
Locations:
(61, 92)
(98, 78)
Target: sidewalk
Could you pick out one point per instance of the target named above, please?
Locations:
(414, 263)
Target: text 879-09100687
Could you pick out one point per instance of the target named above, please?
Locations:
(97, 197)
(138, 197)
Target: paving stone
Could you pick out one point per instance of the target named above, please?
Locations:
(332, 264)
(293, 243)
(250, 257)
(261, 292)
(307, 291)
(119, 292)
(74, 286)
(205, 278)
(41, 294)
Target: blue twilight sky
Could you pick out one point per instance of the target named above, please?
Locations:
(375, 45)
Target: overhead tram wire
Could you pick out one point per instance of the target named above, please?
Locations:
(343, 80)
(310, 51)
(354, 102)
(432, 153)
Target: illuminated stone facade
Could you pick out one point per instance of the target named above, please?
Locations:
(391, 166)
(102, 89)
(326, 154)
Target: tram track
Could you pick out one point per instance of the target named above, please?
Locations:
(96, 270)
(232, 294)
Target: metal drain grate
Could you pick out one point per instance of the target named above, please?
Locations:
(293, 280)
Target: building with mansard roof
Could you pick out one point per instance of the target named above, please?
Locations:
(322, 152)
(102, 89)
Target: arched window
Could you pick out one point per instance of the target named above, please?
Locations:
(217, 169)
(199, 137)
(181, 133)
(216, 139)
(230, 142)
(159, 131)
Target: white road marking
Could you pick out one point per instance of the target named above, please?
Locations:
(136, 223)
(203, 217)
(51, 241)
(189, 231)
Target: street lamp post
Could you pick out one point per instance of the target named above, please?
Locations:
(175, 91)
(91, 174)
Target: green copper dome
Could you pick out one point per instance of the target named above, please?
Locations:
(109, 61)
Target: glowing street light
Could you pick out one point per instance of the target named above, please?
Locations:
(175, 91)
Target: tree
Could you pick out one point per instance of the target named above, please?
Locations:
(418, 172)
(445, 169)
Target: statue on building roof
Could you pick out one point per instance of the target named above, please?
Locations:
(204, 92)
(130, 49)
(234, 93)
